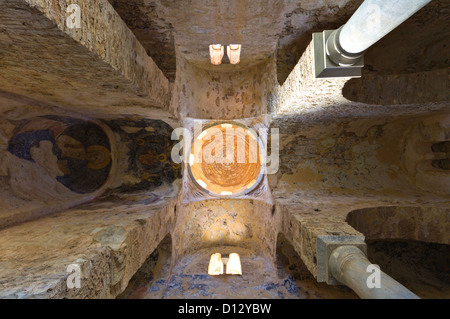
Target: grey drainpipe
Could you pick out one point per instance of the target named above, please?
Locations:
(339, 53)
(348, 264)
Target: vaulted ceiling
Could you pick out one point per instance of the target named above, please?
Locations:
(267, 27)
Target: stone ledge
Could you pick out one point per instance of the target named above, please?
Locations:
(109, 245)
(303, 230)
(99, 65)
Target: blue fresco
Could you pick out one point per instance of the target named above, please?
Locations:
(81, 147)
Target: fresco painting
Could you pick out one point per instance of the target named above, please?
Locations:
(149, 153)
(82, 152)
(81, 147)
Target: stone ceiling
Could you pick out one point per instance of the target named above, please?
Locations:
(263, 27)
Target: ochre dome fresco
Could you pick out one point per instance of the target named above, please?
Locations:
(226, 159)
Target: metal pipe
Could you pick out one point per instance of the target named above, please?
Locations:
(349, 265)
(373, 20)
(370, 22)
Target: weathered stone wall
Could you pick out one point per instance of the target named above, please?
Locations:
(394, 89)
(369, 160)
(305, 100)
(109, 245)
(99, 68)
(209, 94)
(427, 224)
(263, 27)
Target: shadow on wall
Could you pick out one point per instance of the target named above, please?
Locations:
(426, 224)
(393, 89)
(424, 268)
(410, 64)
(426, 154)
(150, 280)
